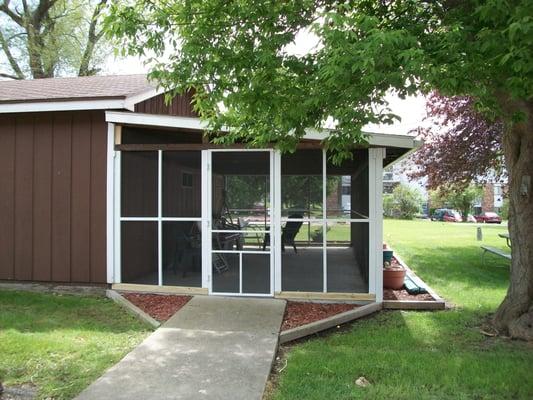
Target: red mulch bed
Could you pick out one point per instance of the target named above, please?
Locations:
(159, 306)
(301, 313)
(389, 294)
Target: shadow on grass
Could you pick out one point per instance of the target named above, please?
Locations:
(433, 354)
(42, 312)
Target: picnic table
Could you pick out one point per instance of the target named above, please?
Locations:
(507, 237)
(496, 251)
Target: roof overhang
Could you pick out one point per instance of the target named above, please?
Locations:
(119, 103)
(399, 146)
(374, 139)
(154, 120)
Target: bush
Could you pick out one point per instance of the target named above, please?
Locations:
(388, 205)
(404, 203)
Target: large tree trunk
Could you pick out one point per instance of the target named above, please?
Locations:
(515, 315)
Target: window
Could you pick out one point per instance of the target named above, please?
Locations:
(388, 176)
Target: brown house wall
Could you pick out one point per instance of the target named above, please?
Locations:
(180, 106)
(53, 197)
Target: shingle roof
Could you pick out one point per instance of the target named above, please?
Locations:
(79, 88)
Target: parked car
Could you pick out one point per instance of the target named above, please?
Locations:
(437, 214)
(471, 218)
(489, 218)
(446, 215)
(452, 216)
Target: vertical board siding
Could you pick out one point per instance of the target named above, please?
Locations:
(42, 200)
(80, 238)
(53, 199)
(98, 196)
(24, 199)
(7, 197)
(61, 197)
(180, 106)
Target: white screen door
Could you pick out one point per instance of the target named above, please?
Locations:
(240, 222)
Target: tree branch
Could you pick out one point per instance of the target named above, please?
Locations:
(42, 11)
(12, 62)
(4, 7)
(3, 75)
(25, 7)
(92, 39)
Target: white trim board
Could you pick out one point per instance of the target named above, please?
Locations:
(76, 105)
(167, 121)
(110, 204)
(374, 139)
(121, 103)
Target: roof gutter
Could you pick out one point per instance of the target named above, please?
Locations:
(122, 103)
(76, 105)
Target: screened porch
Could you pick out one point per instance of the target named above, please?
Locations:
(249, 222)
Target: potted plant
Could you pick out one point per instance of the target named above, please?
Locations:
(393, 276)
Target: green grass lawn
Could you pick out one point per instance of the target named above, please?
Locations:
(61, 344)
(422, 355)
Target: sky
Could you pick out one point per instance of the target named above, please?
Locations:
(411, 110)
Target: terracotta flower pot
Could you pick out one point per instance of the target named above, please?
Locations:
(393, 278)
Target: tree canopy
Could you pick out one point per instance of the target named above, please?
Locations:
(404, 202)
(477, 156)
(236, 55)
(47, 38)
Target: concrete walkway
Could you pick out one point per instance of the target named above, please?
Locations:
(213, 348)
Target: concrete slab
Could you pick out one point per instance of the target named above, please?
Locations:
(213, 348)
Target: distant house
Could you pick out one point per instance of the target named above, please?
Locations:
(104, 183)
(492, 198)
(391, 179)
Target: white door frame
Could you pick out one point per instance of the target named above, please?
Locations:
(207, 213)
(375, 192)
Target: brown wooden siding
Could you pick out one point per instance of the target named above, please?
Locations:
(180, 106)
(7, 199)
(53, 197)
